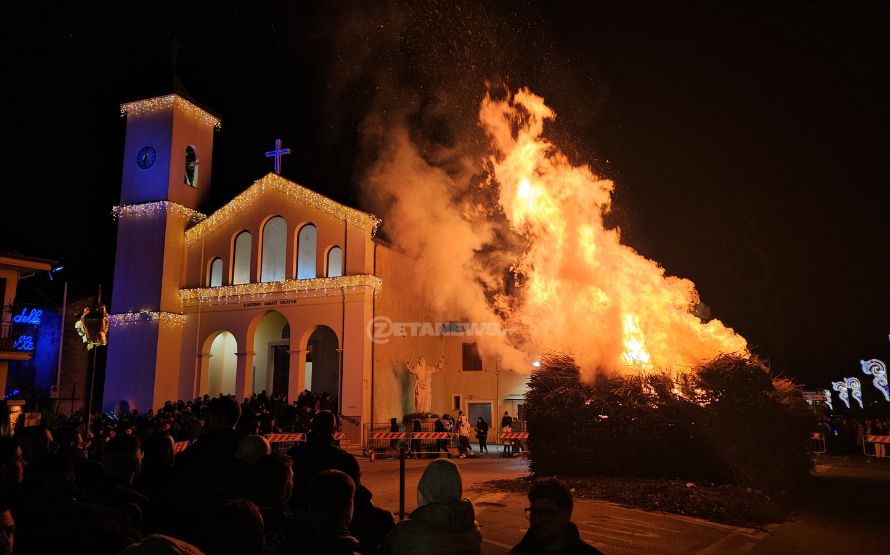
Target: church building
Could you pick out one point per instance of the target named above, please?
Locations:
(279, 290)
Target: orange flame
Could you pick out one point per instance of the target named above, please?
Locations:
(586, 293)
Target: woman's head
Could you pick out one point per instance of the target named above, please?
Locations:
(441, 481)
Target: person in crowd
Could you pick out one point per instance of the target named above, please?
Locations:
(12, 468)
(313, 456)
(415, 443)
(252, 448)
(506, 428)
(35, 441)
(463, 438)
(70, 444)
(482, 434)
(370, 524)
(159, 544)
(156, 478)
(441, 444)
(551, 529)
(517, 443)
(443, 522)
(271, 486)
(232, 528)
(324, 527)
(7, 529)
(123, 461)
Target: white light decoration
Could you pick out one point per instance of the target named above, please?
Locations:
(841, 388)
(292, 191)
(855, 389)
(148, 105)
(827, 394)
(155, 208)
(878, 369)
(291, 288)
(128, 318)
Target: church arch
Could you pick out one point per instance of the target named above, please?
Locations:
(334, 262)
(241, 258)
(191, 166)
(222, 346)
(307, 243)
(321, 347)
(271, 352)
(274, 249)
(214, 272)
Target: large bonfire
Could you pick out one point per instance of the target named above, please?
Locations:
(582, 290)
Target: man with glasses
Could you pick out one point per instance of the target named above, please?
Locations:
(551, 529)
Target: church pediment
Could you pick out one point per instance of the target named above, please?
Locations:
(292, 192)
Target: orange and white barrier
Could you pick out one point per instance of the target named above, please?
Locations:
(878, 445)
(430, 435)
(389, 435)
(281, 438)
(514, 435)
(180, 446)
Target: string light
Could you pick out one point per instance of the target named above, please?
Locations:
(855, 389)
(291, 288)
(126, 318)
(841, 388)
(827, 394)
(292, 191)
(154, 208)
(148, 105)
(878, 369)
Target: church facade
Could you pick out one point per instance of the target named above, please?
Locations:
(279, 290)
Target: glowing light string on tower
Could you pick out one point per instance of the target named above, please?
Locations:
(878, 369)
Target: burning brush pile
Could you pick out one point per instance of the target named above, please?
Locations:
(726, 422)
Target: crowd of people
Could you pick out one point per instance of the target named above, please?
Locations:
(845, 435)
(125, 491)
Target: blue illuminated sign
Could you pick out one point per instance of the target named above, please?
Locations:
(27, 316)
(23, 343)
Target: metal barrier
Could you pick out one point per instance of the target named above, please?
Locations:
(878, 446)
(282, 443)
(180, 446)
(817, 443)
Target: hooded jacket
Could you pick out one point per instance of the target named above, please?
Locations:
(444, 527)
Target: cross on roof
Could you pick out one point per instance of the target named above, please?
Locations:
(277, 154)
(174, 48)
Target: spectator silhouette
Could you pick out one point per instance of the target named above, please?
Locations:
(370, 524)
(443, 522)
(271, 486)
(324, 528)
(551, 529)
(159, 544)
(314, 456)
(232, 528)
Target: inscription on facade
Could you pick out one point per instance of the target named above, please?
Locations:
(248, 305)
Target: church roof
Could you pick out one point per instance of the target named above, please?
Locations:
(291, 191)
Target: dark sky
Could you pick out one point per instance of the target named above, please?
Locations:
(750, 145)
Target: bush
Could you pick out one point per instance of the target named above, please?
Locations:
(728, 422)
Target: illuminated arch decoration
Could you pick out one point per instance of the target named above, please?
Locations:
(827, 394)
(878, 369)
(841, 388)
(855, 388)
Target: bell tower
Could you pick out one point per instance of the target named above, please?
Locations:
(166, 179)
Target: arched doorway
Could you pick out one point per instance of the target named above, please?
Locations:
(271, 345)
(223, 365)
(323, 362)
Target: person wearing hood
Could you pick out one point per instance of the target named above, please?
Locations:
(443, 523)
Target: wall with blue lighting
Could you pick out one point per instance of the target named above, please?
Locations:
(33, 378)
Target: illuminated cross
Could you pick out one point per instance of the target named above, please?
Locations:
(174, 48)
(277, 154)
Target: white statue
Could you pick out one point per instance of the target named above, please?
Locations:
(423, 391)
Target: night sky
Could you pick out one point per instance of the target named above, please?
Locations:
(750, 146)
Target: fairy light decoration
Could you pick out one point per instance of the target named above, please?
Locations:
(827, 394)
(878, 369)
(842, 393)
(855, 388)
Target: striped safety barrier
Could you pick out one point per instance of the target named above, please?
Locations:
(280, 438)
(514, 435)
(876, 446)
(430, 435)
(389, 435)
(180, 446)
(339, 436)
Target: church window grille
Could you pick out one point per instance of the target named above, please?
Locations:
(335, 262)
(241, 259)
(216, 270)
(191, 166)
(274, 249)
(307, 241)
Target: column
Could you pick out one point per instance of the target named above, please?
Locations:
(296, 375)
(202, 379)
(244, 375)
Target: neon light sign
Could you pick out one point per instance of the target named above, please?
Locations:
(28, 316)
(23, 343)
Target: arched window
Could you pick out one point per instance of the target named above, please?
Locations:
(306, 241)
(241, 259)
(335, 262)
(191, 166)
(274, 249)
(215, 273)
